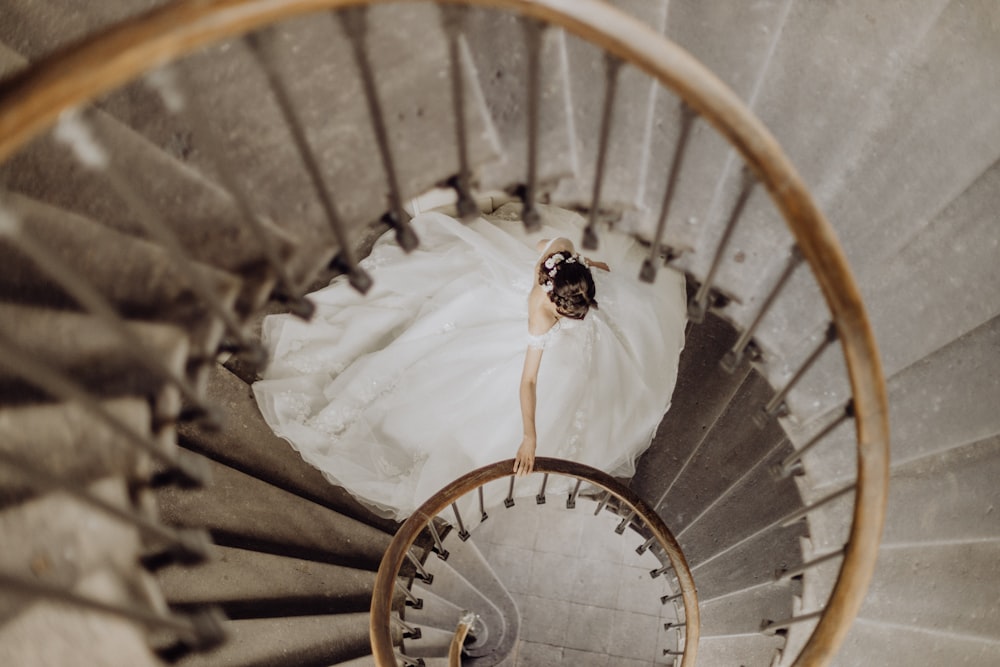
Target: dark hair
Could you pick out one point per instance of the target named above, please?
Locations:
(573, 288)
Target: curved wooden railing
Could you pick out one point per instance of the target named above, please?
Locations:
(631, 505)
(33, 100)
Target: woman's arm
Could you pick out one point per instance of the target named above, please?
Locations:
(524, 462)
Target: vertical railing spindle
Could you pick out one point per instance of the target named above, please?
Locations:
(533, 33)
(463, 534)
(453, 18)
(439, 549)
(784, 468)
(776, 406)
(571, 498)
(651, 265)
(355, 23)
(421, 573)
(698, 305)
(540, 496)
(612, 68)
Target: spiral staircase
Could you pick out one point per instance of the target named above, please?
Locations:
(149, 515)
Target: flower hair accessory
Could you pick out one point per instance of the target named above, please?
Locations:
(547, 286)
(553, 262)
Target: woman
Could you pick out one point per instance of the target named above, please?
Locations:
(395, 394)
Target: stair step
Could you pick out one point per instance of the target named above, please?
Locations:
(433, 643)
(303, 641)
(436, 612)
(503, 79)
(701, 394)
(137, 277)
(873, 643)
(83, 347)
(317, 65)
(745, 650)
(251, 584)
(68, 442)
(628, 143)
(248, 444)
(199, 213)
(245, 512)
(725, 456)
(742, 613)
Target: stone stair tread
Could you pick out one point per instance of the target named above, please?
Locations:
(68, 442)
(741, 613)
(747, 651)
(248, 444)
(939, 395)
(252, 584)
(316, 63)
(433, 643)
(242, 511)
(628, 143)
(702, 392)
(436, 612)
(199, 212)
(84, 347)
(868, 643)
(138, 277)
(503, 80)
(725, 455)
(304, 641)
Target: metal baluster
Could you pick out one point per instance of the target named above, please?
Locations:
(346, 257)
(788, 573)
(605, 497)
(463, 534)
(81, 138)
(438, 543)
(641, 549)
(202, 630)
(670, 598)
(163, 81)
(771, 627)
(407, 660)
(785, 467)
(355, 23)
(571, 499)
(533, 31)
(804, 511)
(411, 599)
(667, 651)
(671, 625)
(776, 406)
(698, 305)
(734, 357)
(453, 19)
(421, 573)
(540, 497)
(188, 546)
(612, 67)
(626, 520)
(508, 502)
(483, 516)
(660, 570)
(190, 471)
(409, 631)
(78, 287)
(651, 264)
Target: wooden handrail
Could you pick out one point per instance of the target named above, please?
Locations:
(396, 553)
(32, 101)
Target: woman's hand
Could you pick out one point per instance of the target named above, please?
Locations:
(598, 265)
(524, 462)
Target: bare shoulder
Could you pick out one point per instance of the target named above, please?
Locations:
(557, 244)
(540, 318)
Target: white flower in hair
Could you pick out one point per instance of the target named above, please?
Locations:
(551, 262)
(553, 272)
(547, 286)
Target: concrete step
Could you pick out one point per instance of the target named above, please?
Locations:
(753, 650)
(251, 584)
(315, 60)
(725, 456)
(85, 348)
(436, 613)
(702, 392)
(138, 277)
(503, 79)
(303, 641)
(247, 443)
(742, 612)
(886, 645)
(433, 643)
(198, 212)
(628, 144)
(935, 404)
(244, 512)
(68, 442)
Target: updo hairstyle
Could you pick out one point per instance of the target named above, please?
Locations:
(568, 283)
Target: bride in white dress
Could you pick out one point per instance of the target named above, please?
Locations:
(459, 356)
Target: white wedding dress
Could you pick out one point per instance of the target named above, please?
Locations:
(395, 394)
